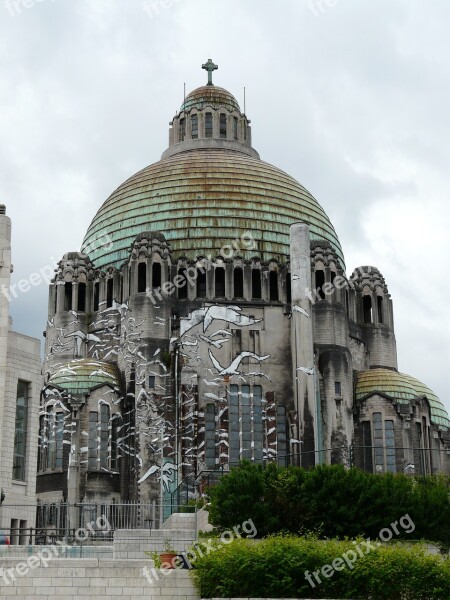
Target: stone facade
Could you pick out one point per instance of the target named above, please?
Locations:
(170, 353)
(20, 378)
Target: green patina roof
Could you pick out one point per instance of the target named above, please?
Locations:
(202, 200)
(210, 95)
(82, 375)
(402, 388)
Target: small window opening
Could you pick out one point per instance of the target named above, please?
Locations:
(182, 130)
(367, 309)
(182, 286)
(223, 126)
(81, 297)
(96, 296)
(238, 282)
(380, 308)
(288, 288)
(235, 128)
(68, 296)
(219, 291)
(273, 285)
(256, 283)
(337, 389)
(142, 276)
(320, 282)
(109, 292)
(151, 382)
(208, 125)
(194, 127)
(201, 283)
(156, 275)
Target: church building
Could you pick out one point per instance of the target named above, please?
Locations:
(209, 318)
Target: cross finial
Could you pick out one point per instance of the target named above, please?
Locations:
(210, 67)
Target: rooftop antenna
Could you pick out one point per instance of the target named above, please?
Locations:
(244, 101)
(185, 93)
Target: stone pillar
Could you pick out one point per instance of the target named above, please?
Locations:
(302, 345)
(60, 291)
(5, 279)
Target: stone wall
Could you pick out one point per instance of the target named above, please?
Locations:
(93, 579)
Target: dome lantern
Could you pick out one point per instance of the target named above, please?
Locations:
(210, 117)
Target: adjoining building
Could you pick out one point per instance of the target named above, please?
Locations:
(207, 319)
(20, 387)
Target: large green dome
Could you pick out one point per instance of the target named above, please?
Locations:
(202, 200)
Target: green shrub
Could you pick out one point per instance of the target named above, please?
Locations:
(331, 500)
(275, 568)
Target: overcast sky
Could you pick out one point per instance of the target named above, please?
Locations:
(351, 97)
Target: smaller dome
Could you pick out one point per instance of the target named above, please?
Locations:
(210, 95)
(401, 388)
(82, 375)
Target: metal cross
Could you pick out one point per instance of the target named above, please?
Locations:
(210, 67)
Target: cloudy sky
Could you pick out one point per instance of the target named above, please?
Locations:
(351, 97)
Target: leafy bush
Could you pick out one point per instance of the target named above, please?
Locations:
(275, 568)
(332, 501)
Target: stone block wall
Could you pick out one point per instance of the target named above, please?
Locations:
(93, 579)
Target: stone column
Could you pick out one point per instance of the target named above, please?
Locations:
(302, 345)
(5, 278)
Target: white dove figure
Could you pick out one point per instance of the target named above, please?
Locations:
(229, 314)
(167, 474)
(215, 343)
(306, 370)
(81, 336)
(300, 310)
(232, 369)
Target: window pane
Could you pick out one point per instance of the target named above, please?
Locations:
(20, 436)
(208, 125)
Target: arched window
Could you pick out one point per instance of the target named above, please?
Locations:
(182, 287)
(201, 283)
(142, 277)
(68, 295)
(367, 309)
(273, 285)
(81, 301)
(104, 436)
(223, 126)
(208, 125)
(256, 284)
(288, 288)
(109, 292)
(238, 282)
(156, 275)
(320, 282)
(182, 129)
(96, 296)
(219, 290)
(194, 127)
(380, 309)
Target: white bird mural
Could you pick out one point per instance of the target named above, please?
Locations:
(168, 471)
(229, 314)
(300, 310)
(232, 369)
(215, 343)
(306, 370)
(80, 336)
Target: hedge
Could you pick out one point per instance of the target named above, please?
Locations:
(275, 568)
(332, 501)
